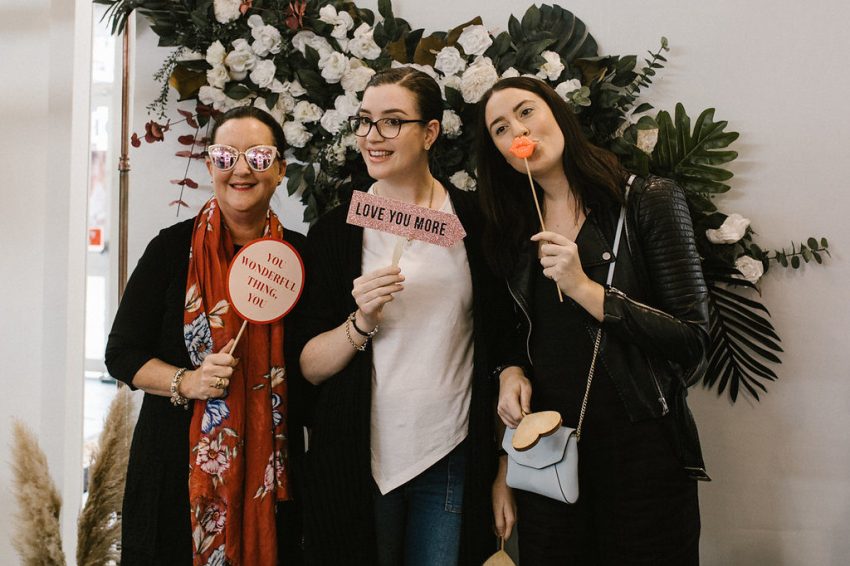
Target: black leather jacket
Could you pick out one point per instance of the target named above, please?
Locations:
(655, 330)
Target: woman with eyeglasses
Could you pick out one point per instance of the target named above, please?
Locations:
(402, 452)
(208, 481)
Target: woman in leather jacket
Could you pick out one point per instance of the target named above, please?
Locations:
(639, 452)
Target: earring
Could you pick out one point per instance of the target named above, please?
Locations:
(427, 146)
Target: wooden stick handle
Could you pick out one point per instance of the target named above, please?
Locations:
(398, 249)
(540, 216)
(238, 336)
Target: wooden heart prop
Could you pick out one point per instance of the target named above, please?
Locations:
(501, 558)
(533, 426)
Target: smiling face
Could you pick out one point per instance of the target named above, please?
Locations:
(388, 159)
(514, 112)
(242, 193)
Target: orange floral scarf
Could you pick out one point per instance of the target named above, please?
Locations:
(238, 460)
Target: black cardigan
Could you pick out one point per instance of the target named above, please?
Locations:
(338, 515)
(149, 324)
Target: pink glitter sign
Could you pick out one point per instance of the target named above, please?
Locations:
(405, 219)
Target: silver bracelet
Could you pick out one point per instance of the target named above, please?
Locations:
(353, 318)
(359, 347)
(177, 399)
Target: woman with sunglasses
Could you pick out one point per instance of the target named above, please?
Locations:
(639, 454)
(208, 481)
(402, 451)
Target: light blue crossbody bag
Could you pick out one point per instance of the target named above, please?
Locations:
(550, 467)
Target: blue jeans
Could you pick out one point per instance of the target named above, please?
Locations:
(418, 523)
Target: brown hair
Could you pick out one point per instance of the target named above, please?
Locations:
(257, 114)
(594, 175)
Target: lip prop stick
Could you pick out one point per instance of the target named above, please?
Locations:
(523, 148)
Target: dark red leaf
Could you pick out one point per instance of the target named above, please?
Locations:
(154, 132)
(191, 184)
(178, 203)
(246, 5)
(135, 141)
(178, 181)
(190, 118)
(188, 139)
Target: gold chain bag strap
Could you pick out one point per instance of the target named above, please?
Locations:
(550, 467)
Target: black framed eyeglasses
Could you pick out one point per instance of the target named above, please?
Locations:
(388, 128)
(259, 158)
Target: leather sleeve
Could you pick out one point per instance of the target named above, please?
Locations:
(675, 325)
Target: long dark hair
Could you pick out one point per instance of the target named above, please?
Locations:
(257, 114)
(594, 174)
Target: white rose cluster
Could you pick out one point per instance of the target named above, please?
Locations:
(226, 11)
(477, 79)
(732, 230)
(751, 269)
(463, 181)
(267, 39)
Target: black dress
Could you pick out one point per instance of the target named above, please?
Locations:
(156, 526)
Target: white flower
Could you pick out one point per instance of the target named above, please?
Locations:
(211, 96)
(333, 120)
(510, 73)
(267, 39)
(278, 112)
(216, 53)
(477, 79)
(306, 112)
(449, 61)
(552, 68)
(304, 38)
(463, 181)
(348, 104)
(363, 46)
(475, 40)
(241, 60)
(349, 141)
(646, 140)
(296, 134)
(226, 10)
(451, 124)
(732, 230)
(263, 73)
(333, 66)
(336, 153)
(451, 81)
(295, 88)
(341, 21)
(751, 269)
(566, 87)
(218, 76)
(357, 76)
(427, 69)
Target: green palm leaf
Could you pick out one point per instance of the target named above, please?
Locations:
(548, 27)
(692, 157)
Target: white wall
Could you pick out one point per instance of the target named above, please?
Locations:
(781, 489)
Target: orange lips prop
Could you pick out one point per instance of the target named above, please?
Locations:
(522, 147)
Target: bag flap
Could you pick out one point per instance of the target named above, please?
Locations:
(548, 450)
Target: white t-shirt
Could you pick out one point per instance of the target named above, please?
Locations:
(422, 357)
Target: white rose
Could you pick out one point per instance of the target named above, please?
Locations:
(294, 88)
(216, 53)
(226, 10)
(349, 141)
(347, 104)
(732, 230)
(363, 46)
(306, 112)
(241, 60)
(463, 181)
(475, 40)
(296, 134)
(267, 39)
(341, 21)
(451, 124)
(552, 68)
(449, 61)
(333, 66)
(566, 87)
(646, 140)
(451, 81)
(278, 112)
(333, 120)
(263, 73)
(218, 76)
(211, 96)
(477, 79)
(751, 269)
(357, 76)
(320, 44)
(510, 73)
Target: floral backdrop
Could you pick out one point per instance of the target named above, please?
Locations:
(308, 61)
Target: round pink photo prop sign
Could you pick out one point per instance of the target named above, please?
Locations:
(265, 280)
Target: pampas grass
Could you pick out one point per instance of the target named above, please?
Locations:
(37, 535)
(99, 525)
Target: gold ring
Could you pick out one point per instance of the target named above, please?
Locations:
(219, 384)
